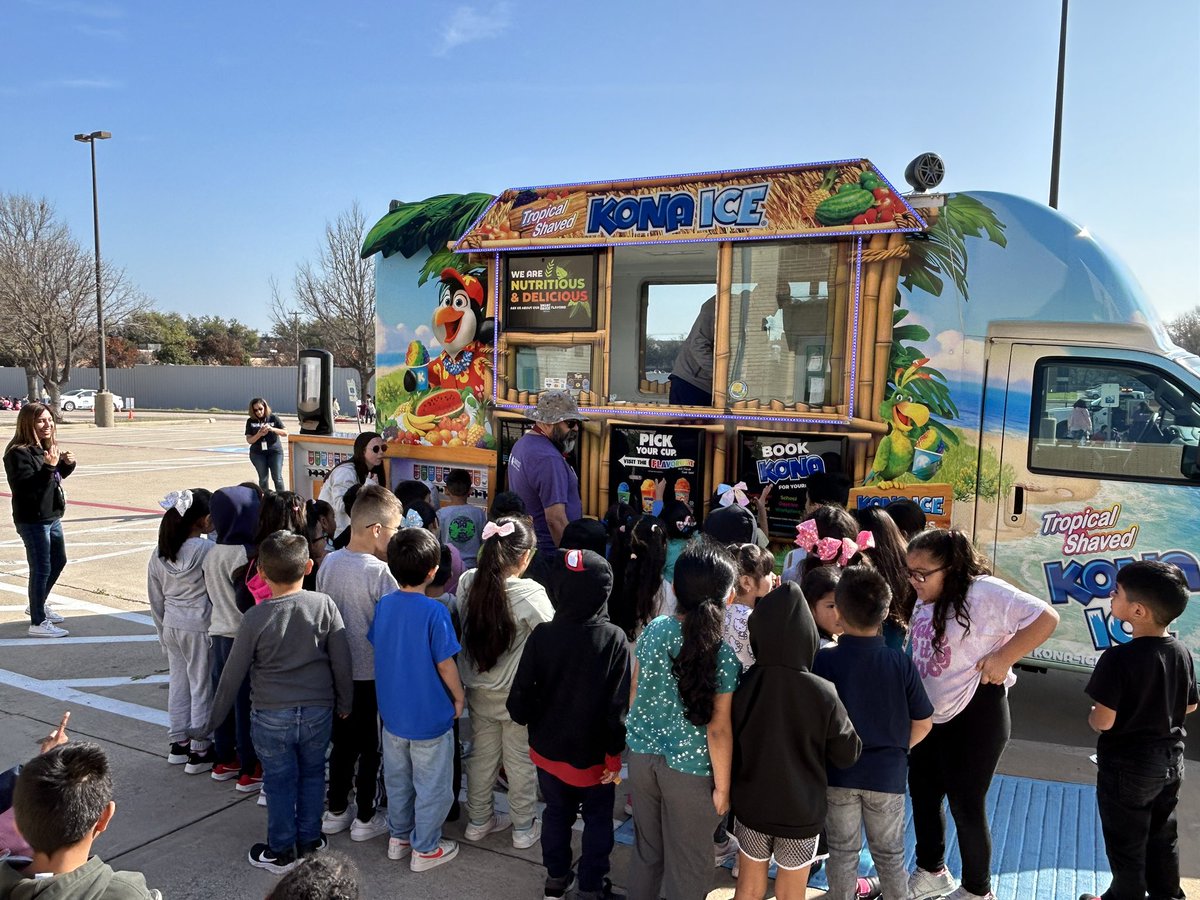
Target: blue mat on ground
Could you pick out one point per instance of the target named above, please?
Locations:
(1046, 841)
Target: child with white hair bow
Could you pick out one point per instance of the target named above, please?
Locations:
(181, 609)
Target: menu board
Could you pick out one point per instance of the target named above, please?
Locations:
(649, 467)
(555, 292)
(784, 461)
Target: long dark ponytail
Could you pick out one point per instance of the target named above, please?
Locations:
(952, 549)
(175, 528)
(888, 558)
(644, 570)
(704, 576)
(488, 624)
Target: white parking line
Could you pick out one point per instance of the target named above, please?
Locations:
(117, 681)
(105, 639)
(59, 691)
(140, 548)
(61, 602)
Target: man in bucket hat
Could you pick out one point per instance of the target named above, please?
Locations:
(538, 470)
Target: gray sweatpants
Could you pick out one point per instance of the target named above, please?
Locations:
(883, 814)
(189, 691)
(673, 819)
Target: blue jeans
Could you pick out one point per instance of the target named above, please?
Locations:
(418, 776)
(234, 732)
(46, 552)
(273, 460)
(291, 745)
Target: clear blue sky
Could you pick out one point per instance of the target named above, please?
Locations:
(239, 128)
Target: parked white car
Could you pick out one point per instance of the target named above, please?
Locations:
(85, 398)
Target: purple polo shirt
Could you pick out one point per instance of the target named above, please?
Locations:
(541, 477)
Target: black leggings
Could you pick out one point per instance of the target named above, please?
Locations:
(957, 761)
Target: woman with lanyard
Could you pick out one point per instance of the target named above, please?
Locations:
(967, 630)
(35, 467)
(263, 430)
(364, 467)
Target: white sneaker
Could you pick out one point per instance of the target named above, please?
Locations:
(398, 848)
(523, 840)
(924, 885)
(725, 851)
(49, 615)
(961, 893)
(262, 798)
(335, 823)
(446, 851)
(47, 630)
(365, 831)
(479, 832)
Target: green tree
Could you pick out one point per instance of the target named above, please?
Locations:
(221, 343)
(167, 332)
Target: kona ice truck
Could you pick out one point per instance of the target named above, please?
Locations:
(932, 346)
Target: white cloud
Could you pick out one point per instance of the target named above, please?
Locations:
(473, 23)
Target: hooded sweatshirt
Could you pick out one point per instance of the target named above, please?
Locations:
(234, 512)
(94, 880)
(572, 684)
(178, 597)
(787, 723)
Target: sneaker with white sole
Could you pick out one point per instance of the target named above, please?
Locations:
(47, 630)
(961, 893)
(226, 771)
(497, 822)
(557, 888)
(179, 753)
(200, 761)
(924, 885)
(373, 828)
(725, 851)
(527, 837)
(336, 823)
(262, 798)
(49, 615)
(423, 862)
(250, 782)
(262, 857)
(398, 848)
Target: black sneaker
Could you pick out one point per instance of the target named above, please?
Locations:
(262, 857)
(179, 753)
(557, 888)
(314, 846)
(605, 893)
(200, 762)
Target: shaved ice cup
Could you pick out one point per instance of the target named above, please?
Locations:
(926, 463)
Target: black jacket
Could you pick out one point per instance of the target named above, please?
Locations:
(787, 723)
(572, 684)
(37, 498)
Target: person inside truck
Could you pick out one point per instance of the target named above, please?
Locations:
(691, 376)
(1079, 425)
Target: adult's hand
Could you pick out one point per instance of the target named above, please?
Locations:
(68, 457)
(52, 455)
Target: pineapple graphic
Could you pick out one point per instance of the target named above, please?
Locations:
(823, 192)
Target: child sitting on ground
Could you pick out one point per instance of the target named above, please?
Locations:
(891, 712)
(294, 646)
(181, 609)
(63, 801)
(572, 689)
(356, 577)
(1142, 691)
(459, 523)
(420, 696)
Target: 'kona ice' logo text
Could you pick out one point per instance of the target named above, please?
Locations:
(787, 462)
(737, 207)
(1090, 583)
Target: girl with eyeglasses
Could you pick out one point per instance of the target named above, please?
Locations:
(967, 630)
(365, 466)
(263, 431)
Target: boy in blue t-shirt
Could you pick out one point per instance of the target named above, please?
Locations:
(420, 696)
(891, 712)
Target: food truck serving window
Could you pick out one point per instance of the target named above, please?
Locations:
(1094, 417)
(786, 300)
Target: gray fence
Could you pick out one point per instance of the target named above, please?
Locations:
(196, 387)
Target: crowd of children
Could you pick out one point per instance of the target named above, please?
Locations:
(771, 719)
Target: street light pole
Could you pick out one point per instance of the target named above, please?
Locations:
(104, 406)
(1056, 151)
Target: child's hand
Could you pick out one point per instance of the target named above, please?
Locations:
(58, 736)
(610, 777)
(458, 708)
(720, 800)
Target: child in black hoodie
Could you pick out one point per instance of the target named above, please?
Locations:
(787, 723)
(572, 690)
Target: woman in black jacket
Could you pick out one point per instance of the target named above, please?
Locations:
(36, 466)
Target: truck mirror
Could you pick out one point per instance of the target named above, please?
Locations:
(1189, 465)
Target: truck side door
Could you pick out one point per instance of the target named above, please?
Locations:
(1098, 454)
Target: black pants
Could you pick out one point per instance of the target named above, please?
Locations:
(356, 740)
(1137, 800)
(563, 805)
(957, 761)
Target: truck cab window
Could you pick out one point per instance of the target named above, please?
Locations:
(659, 293)
(1097, 418)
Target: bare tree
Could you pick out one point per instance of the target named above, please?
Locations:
(1185, 330)
(47, 293)
(337, 291)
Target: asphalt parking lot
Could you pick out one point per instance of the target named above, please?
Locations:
(190, 834)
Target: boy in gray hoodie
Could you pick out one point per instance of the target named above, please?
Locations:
(181, 610)
(63, 802)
